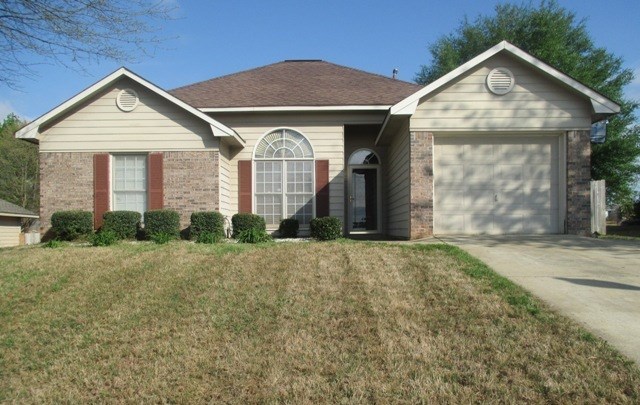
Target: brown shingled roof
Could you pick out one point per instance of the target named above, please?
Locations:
(296, 83)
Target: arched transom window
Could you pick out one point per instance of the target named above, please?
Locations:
(284, 173)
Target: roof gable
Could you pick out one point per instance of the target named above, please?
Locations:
(296, 83)
(32, 130)
(602, 106)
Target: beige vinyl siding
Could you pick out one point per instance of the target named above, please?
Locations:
(224, 179)
(325, 132)
(535, 103)
(9, 231)
(399, 184)
(154, 125)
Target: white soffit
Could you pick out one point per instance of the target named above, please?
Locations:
(409, 104)
(31, 130)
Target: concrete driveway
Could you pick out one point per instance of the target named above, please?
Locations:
(594, 281)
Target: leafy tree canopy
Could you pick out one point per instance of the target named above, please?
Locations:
(19, 167)
(554, 34)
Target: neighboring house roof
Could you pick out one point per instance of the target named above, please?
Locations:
(602, 106)
(31, 130)
(296, 83)
(8, 209)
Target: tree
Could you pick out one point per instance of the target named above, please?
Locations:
(554, 35)
(75, 32)
(19, 162)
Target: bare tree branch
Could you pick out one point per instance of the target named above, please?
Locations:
(76, 32)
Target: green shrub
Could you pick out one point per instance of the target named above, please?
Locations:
(289, 228)
(253, 235)
(71, 225)
(104, 238)
(242, 222)
(208, 237)
(162, 237)
(124, 224)
(208, 222)
(162, 222)
(326, 228)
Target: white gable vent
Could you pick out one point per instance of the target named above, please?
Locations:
(127, 100)
(500, 81)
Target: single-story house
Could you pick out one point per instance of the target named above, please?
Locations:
(499, 145)
(11, 220)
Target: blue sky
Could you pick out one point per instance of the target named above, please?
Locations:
(213, 38)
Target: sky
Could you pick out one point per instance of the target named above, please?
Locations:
(212, 38)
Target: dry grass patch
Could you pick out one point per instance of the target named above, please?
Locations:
(313, 322)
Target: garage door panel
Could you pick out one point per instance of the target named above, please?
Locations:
(449, 199)
(496, 185)
(537, 171)
(509, 198)
(449, 223)
(450, 175)
(510, 172)
(508, 224)
(476, 151)
(479, 197)
(540, 224)
(478, 175)
(474, 223)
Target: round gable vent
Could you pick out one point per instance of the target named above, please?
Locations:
(127, 100)
(500, 81)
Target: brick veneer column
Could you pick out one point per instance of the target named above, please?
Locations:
(191, 182)
(421, 168)
(66, 183)
(578, 182)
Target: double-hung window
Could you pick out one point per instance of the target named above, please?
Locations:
(284, 173)
(130, 183)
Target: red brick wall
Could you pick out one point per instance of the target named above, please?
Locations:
(191, 182)
(421, 168)
(66, 183)
(579, 182)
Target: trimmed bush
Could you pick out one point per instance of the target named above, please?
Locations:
(207, 222)
(326, 228)
(208, 237)
(253, 235)
(242, 222)
(105, 238)
(124, 224)
(162, 222)
(289, 228)
(71, 225)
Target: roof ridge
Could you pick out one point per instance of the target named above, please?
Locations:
(295, 61)
(374, 74)
(226, 76)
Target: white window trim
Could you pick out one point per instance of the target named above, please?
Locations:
(283, 194)
(112, 179)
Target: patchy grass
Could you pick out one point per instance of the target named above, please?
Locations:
(313, 322)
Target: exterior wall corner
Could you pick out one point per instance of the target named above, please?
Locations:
(578, 182)
(421, 173)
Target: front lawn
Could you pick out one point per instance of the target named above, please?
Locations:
(291, 322)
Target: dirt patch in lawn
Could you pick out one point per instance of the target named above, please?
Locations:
(312, 322)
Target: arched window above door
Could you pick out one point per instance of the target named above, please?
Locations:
(364, 157)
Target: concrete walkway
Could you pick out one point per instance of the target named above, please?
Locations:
(594, 281)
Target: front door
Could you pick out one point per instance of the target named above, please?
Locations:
(364, 202)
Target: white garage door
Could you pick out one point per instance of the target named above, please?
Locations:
(496, 185)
